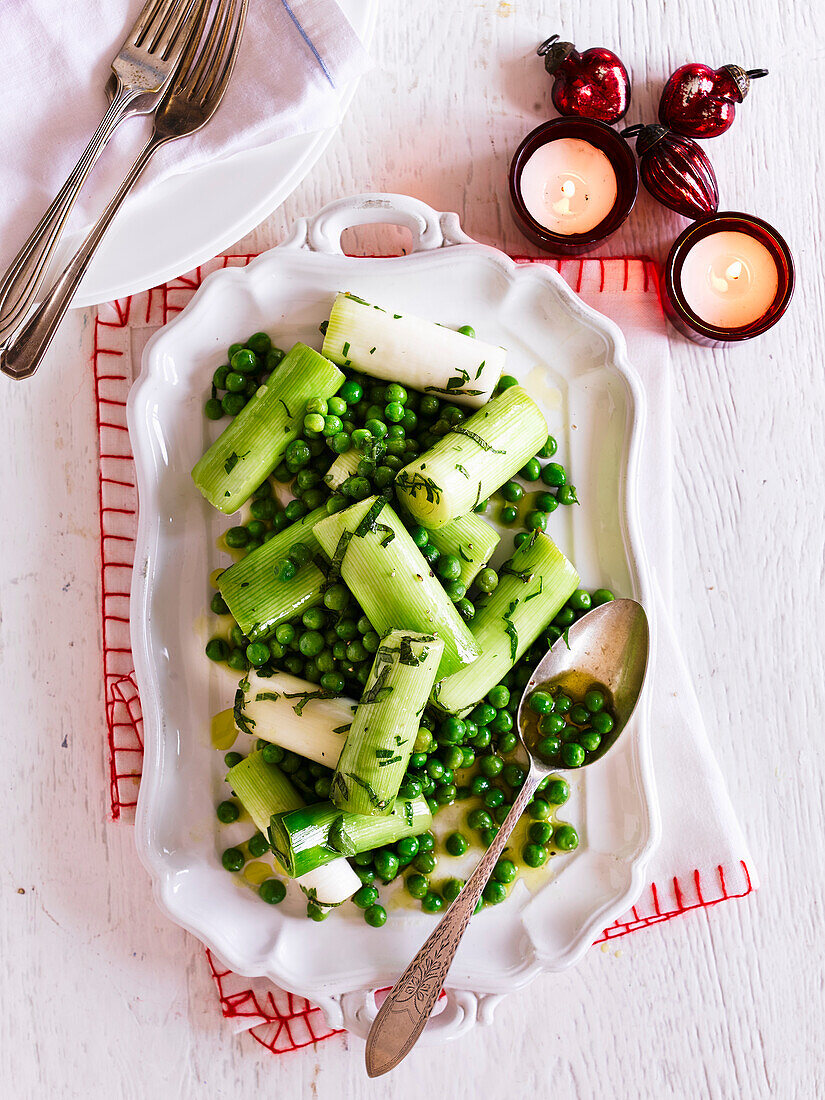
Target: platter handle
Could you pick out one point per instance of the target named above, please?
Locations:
(430, 228)
(457, 1011)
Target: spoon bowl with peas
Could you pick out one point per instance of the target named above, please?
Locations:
(574, 708)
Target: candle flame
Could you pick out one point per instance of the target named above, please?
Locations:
(568, 188)
(735, 270)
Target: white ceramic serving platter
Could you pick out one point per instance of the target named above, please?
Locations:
(573, 361)
(191, 217)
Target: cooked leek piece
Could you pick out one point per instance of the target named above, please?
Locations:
(252, 591)
(471, 539)
(254, 443)
(264, 790)
(343, 467)
(297, 715)
(417, 353)
(383, 568)
(473, 459)
(313, 836)
(533, 586)
(384, 729)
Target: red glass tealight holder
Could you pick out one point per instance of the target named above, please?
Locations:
(729, 277)
(578, 194)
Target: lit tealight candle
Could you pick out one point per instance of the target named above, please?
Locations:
(729, 279)
(568, 186)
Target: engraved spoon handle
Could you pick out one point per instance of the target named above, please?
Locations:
(408, 1006)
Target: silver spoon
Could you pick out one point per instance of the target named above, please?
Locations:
(608, 646)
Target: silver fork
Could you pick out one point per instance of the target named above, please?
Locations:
(192, 99)
(141, 72)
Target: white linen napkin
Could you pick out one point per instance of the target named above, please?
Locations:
(296, 60)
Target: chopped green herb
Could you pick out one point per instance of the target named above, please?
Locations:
(263, 695)
(485, 446)
(345, 349)
(389, 760)
(416, 482)
(461, 469)
(306, 697)
(288, 413)
(246, 725)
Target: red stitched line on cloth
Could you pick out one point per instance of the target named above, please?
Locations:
(279, 1031)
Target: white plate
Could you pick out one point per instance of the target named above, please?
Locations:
(573, 360)
(198, 214)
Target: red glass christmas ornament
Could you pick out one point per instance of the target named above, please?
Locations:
(593, 84)
(675, 171)
(700, 102)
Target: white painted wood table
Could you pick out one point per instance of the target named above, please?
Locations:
(102, 997)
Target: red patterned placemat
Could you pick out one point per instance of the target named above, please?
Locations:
(279, 1020)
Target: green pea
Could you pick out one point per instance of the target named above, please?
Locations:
(426, 843)
(455, 591)
(395, 393)
(552, 724)
(487, 580)
(311, 643)
(531, 470)
(478, 785)
(217, 649)
(567, 495)
(452, 757)
(502, 724)
(218, 605)
(375, 916)
(228, 812)
(481, 507)
(245, 361)
(213, 409)
(572, 754)
(233, 859)
(452, 730)
(257, 653)
(235, 383)
(549, 747)
(554, 475)
(386, 864)
(549, 449)
(542, 703)
(285, 569)
(296, 509)
(452, 888)
(365, 897)
(508, 514)
(490, 766)
(534, 855)
(479, 819)
(272, 754)
(272, 891)
(512, 491)
(489, 835)
(407, 848)
(499, 696)
(273, 358)
(467, 330)
(579, 715)
(417, 885)
(536, 520)
(425, 861)
(351, 392)
(540, 832)
(519, 538)
(494, 892)
(493, 797)
(219, 377)
(445, 794)
(600, 596)
(562, 704)
(236, 537)
(589, 740)
(513, 775)
(357, 487)
(566, 838)
(431, 555)
(456, 844)
(449, 567)
(539, 809)
(232, 403)
(483, 714)
(594, 700)
(482, 739)
(546, 502)
(602, 722)
(432, 902)
(257, 845)
(506, 382)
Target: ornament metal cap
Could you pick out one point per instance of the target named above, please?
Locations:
(554, 52)
(646, 136)
(742, 78)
